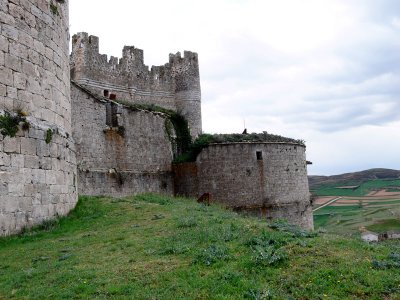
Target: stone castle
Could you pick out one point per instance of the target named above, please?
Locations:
(85, 123)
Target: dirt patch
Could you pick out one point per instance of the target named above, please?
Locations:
(385, 193)
(323, 200)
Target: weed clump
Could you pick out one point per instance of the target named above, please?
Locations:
(391, 261)
(268, 248)
(212, 254)
(49, 136)
(258, 294)
(187, 222)
(9, 124)
(293, 230)
(54, 9)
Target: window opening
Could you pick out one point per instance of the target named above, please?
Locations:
(259, 155)
(111, 115)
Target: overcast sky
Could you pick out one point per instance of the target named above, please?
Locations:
(326, 71)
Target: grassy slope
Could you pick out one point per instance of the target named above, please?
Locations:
(152, 247)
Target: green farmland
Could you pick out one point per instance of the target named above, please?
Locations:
(373, 205)
(363, 189)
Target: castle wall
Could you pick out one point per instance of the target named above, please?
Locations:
(186, 180)
(37, 175)
(133, 156)
(175, 85)
(268, 179)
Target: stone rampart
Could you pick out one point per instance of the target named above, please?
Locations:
(120, 151)
(37, 165)
(175, 85)
(269, 179)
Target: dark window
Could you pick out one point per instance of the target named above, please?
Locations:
(259, 155)
(111, 115)
(106, 93)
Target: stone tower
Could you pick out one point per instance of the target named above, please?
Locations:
(175, 85)
(185, 72)
(37, 159)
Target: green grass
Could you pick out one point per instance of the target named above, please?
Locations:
(364, 189)
(364, 212)
(155, 247)
(347, 220)
(385, 225)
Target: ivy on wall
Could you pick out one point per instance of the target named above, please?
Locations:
(175, 122)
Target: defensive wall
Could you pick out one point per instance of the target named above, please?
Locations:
(175, 85)
(269, 179)
(110, 148)
(37, 153)
(120, 150)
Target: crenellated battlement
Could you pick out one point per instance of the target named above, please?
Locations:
(174, 85)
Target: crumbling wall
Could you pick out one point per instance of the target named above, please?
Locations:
(37, 165)
(175, 85)
(268, 179)
(132, 155)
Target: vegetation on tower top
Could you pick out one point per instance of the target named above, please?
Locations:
(204, 140)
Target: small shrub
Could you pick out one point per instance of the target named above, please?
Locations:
(294, 230)
(212, 254)
(48, 136)
(187, 222)
(9, 124)
(49, 225)
(172, 247)
(267, 239)
(269, 255)
(391, 261)
(258, 295)
(54, 9)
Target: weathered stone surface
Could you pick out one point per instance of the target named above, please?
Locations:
(175, 85)
(269, 179)
(33, 179)
(112, 162)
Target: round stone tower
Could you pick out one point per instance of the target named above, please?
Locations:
(185, 72)
(267, 179)
(37, 156)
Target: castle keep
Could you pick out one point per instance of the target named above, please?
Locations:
(175, 85)
(100, 126)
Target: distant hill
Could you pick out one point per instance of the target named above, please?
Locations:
(353, 178)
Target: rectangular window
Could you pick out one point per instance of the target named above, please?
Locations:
(112, 115)
(259, 155)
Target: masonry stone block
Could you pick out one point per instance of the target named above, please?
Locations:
(27, 29)
(6, 76)
(12, 145)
